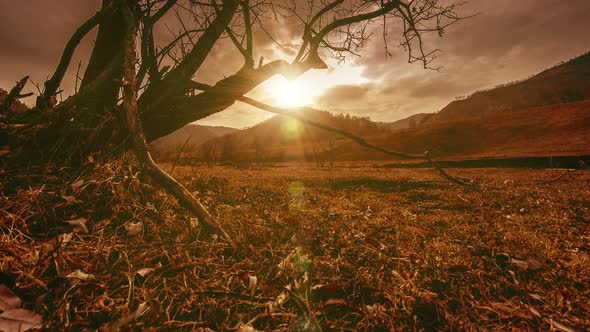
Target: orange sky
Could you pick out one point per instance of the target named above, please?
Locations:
(509, 40)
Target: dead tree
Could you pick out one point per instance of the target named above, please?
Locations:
(13, 95)
(163, 97)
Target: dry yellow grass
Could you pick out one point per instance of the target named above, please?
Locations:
(349, 248)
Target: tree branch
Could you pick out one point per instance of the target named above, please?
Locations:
(156, 94)
(140, 147)
(13, 95)
(51, 85)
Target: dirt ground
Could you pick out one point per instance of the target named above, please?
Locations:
(355, 247)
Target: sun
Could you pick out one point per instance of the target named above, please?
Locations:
(289, 94)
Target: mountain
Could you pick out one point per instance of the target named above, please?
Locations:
(554, 130)
(545, 115)
(196, 134)
(566, 82)
(282, 138)
(409, 122)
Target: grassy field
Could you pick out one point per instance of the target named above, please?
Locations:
(355, 247)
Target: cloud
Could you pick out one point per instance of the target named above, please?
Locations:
(508, 40)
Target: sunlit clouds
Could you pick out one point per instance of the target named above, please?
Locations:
(305, 90)
(508, 41)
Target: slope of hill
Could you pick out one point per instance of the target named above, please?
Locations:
(284, 138)
(545, 115)
(563, 83)
(196, 135)
(555, 130)
(409, 122)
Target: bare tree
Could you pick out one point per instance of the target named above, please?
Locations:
(99, 119)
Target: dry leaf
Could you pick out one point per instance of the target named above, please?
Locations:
(560, 326)
(61, 239)
(536, 296)
(252, 284)
(142, 308)
(534, 264)
(145, 271)
(530, 264)
(134, 229)
(323, 293)
(80, 275)
(520, 265)
(79, 225)
(19, 320)
(534, 311)
(246, 328)
(8, 300)
(64, 238)
(76, 185)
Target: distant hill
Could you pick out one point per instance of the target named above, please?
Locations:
(567, 82)
(196, 134)
(545, 115)
(555, 130)
(282, 138)
(409, 122)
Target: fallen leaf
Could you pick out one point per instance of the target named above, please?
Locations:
(64, 238)
(145, 271)
(335, 302)
(530, 264)
(323, 293)
(418, 230)
(76, 185)
(252, 284)
(134, 229)
(19, 320)
(61, 240)
(8, 300)
(520, 265)
(536, 296)
(70, 200)
(79, 225)
(534, 311)
(80, 275)
(534, 264)
(142, 308)
(375, 243)
(560, 326)
(457, 268)
(246, 328)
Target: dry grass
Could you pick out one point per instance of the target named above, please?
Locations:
(350, 248)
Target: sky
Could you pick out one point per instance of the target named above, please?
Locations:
(508, 40)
